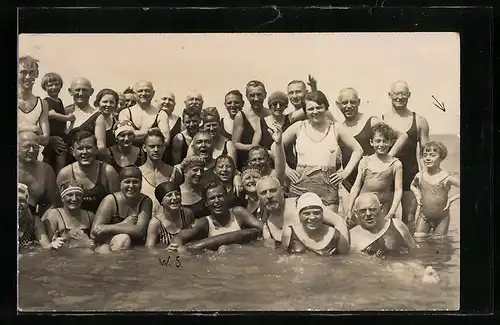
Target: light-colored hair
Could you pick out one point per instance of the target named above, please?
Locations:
(365, 195)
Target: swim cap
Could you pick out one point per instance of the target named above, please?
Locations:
(22, 191)
(309, 199)
(190, 162)
(70, 187)
(247, 170)
(210, 114)
(162, 189)
(131, 171)
(123, 126)
(277, 95)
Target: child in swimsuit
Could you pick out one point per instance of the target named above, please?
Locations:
(431, 188)
(379, 173)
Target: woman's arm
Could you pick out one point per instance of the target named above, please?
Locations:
(100, 132)
(152, 235)
(197, 231)
(50, 223)
(238, 132)
(398, 188)
(103, 215)
(42, 237)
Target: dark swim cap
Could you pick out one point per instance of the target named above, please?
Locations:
(162, 189)
(131, 171)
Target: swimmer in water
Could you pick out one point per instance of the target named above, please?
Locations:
(234, 104)
(221, 221)
(30, 227)
(309, 232)
(375, 235)
(431, 189)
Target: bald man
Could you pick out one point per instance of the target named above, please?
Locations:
(194, 100)
(144, 115)
(81, 90)
(417, 130)
(167, 104)
(375, 235)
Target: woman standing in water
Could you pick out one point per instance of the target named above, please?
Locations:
(316, 141)
(234, 104)
(123, 217)
(106, 102)
(97, 178)
(173, 217)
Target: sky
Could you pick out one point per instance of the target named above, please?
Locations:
(213, 64)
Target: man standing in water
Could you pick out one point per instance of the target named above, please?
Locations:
(144, 115)
(81, 90)
(417, 129)
(194, 100)
(32, 111)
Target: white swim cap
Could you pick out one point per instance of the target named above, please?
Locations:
(309, 199)
(123, 126)
(22, 191)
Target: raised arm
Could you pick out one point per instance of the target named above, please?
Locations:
(231, 151)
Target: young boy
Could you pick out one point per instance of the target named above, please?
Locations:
(431, 188)
(379, 173)
(55, 153)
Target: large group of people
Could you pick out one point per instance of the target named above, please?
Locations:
(126, 171)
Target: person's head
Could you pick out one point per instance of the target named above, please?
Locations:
(106, 101)
(316, 106)
(211, 121)
(367, 209)
(130, 181)
(84, 147)
(256, 94)
(122, 102)
(399, 95)
(433, 153)
(249, 178)
(225, 169)
(27, 71)
(168, 194)
(270, 193)
(71, 194)
(22, 198)
(310, 208)
(28, 147)
(382, 138)
(234, 103)
(348, 103)
(52, 84)
(277, 103)
(81, 90)
(214, 195)
(124, 133)
(144, 92)
(154, 144)
(191, 119)
(129, 97)
(192, 168)
(203, 144)
(194, 100)
(258, 158)
(167, 102)
(296, 90)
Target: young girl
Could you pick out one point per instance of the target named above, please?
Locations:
(378, 173)
(431, 188)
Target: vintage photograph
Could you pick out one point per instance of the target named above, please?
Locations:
(239, 172)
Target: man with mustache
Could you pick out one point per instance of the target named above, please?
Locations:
(417, 129)
(143, 115)
(375, 235)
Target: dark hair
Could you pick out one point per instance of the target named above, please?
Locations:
(154, 133)
(191, 113)
(234, 92)
(79, 135)
(164, 188)
(297, 82)
(383, 129)
(28, 60)
(254, 84)
(212, 185)
(438, 146)
(51, 77)
(318, 97)
(104, 92)
(128, 90)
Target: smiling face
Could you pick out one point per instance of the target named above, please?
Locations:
(125, 139)
(73, 200)
(168, 103)
(315, 112)
(53, 88)
(234, 104)
(256, 96)
(224, 170)
(130, 187)
(399, 95)
(215, 200)
(258, 159)
(311, 217)
(380, 143)
(194, 101)
(348, 103)
(203, 145)
(28, 148)
(277, 107)
(368, 212)
(85, 151)
(144, 92)
(172, 200)
(107, 104)
(130, 100)
(270, 194)
(431, 158)
(192, 123)
(193, 175)
(81, 90)
(27, 75)
(297, 93)
(249, 181)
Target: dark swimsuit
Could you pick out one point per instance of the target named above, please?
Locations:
(110, 135)
(154, 125)
(28, 228)
(198, 209)
(185, 147)
(167, 155)
(223, 131)
(363, 138)
(117, 218)
(246, 138)
(381, 247)
(408, 155)
(267, 141)
(139, 161)
(328, 250)
(165, 236)
(93, 197)
(88, 125)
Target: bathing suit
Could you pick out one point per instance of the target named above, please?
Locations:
(87, 125)
(233, 200)
(363, 138)
(246, 138)
(149, 189)
(184, 148)
(408, 155)
(270, 231)
(380, 183)
(331, 238)
(110, 135)
(434, 199)
(267, 141)
(387, 240)
(154, 125)
(93, 197)
(167, 154)
(27, 229)
(223, 131)
(32, 117)
(116, 217)
(85, 229)
(139, 161)
(166, 237)
(57, 128)
(231, 226)
(198, 209)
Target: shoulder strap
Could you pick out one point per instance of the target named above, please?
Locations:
(88, 217)
(116, 204)
(62, 218)
(73, 172)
